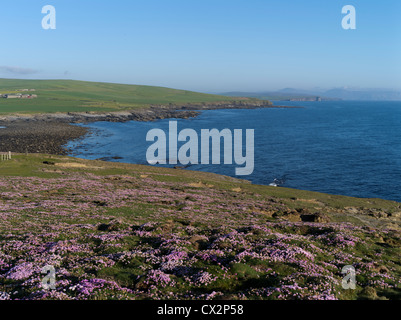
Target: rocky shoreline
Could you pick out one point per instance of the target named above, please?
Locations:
(38, 137)
(155, 112)
(48, 133)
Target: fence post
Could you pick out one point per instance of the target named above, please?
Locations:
(5, 156)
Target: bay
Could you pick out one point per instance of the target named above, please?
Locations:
(350, 148)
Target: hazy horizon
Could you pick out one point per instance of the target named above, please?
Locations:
(306, 91)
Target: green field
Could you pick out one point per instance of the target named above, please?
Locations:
(81, 96)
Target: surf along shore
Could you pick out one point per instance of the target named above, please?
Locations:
(50, 132)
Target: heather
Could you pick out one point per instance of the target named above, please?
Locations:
(116, 231)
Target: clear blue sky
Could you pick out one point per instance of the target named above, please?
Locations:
(205, 45)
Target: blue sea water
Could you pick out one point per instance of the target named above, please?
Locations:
(337, 147)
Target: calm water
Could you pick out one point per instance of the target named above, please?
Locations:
(349, 148)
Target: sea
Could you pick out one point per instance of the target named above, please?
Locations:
(350, 148)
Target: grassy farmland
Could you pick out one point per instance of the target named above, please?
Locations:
(81, 96)
(121, 231)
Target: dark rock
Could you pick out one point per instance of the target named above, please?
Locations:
(315, 217)
(114, 225)
(100, 203)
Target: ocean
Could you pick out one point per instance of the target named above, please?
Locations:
(349, 148)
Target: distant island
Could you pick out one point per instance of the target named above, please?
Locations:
(308, 99)
(291, 94)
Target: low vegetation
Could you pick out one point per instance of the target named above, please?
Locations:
(119, 231)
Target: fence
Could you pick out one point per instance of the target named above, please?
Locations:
(5, 156)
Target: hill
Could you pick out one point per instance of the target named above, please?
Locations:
(120, 231)
(81, 96)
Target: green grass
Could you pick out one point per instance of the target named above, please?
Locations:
(32, 166)
(124, 221)
(81, 96)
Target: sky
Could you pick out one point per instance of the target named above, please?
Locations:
(205, 45)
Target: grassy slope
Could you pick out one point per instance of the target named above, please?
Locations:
(71, 96)
(140, 232)
(27, 166)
